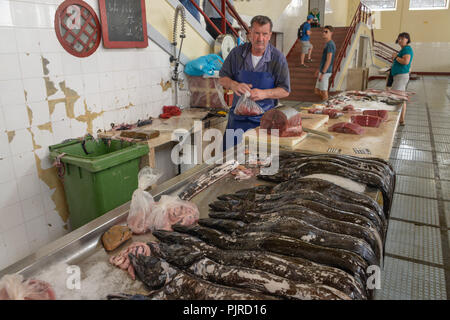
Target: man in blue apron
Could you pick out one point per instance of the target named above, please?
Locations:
(258, 68)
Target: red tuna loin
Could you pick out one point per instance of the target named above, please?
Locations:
(383, 114)
(346, 127)
(367, 121)
(287, 120)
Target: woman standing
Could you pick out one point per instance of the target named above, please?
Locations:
(402, 66)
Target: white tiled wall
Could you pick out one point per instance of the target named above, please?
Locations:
(107, 81)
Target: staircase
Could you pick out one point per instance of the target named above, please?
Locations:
(303, 81)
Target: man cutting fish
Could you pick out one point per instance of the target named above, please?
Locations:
(259, 69)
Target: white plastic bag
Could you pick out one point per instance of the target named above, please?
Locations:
(172, 210)
(247, 107)
(142, 201)
(13, 287)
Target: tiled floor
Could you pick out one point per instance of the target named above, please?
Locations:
(417, 260)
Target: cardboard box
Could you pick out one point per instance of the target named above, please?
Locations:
(357, 79)
(204, 92)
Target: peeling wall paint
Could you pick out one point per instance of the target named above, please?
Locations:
(11, 135)
(46, 126)
(30, 115)
(50, 87)
(89, 117)
(45, 63)
(71, 97)
(50, 177)
(35, 145)
(165, 86)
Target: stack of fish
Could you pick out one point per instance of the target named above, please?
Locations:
(390, 97)
(304, 238)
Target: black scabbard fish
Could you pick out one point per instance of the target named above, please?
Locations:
(345, 260)
(297, 229)
(169, 283)
(316, 166)
(370, 236)
(184, 250)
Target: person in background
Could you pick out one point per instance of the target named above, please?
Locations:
(326, 64)
(315, 13)
(191, 8)
(256, 67)
(215, 17)
(307, 47)
(401, 67)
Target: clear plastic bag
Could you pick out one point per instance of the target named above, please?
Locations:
(13, 287)
(142, 203)
(247, 107)
(172, 210)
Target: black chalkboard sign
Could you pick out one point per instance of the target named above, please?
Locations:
(124, 23)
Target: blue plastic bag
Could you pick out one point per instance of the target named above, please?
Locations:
(204, 65)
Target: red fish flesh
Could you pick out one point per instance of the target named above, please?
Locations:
(367, 121)
(383, 114)
(287, 120)
(346, 127)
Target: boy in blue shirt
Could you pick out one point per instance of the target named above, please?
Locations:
(326, 64)
(306, 44)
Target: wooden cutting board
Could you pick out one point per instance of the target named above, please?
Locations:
(310, 121)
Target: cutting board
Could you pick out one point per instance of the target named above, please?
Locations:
(310, 121)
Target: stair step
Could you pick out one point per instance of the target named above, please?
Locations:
(303, 80)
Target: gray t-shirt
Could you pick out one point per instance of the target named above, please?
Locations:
(329, 47)
(212, 13)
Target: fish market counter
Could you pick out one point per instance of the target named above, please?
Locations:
(161, 131)
(374, 142)
(81, 253)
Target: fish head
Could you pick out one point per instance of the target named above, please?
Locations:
(181, 255)
(220, 205)
(153, 271)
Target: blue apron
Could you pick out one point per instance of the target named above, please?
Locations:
(258, 80)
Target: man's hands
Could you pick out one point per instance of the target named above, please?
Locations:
(241, 88)
(394, 55)
(258, 94)
(255, 94)
(317, 74)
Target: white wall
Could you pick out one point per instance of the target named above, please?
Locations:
(112, 85)
(290, 20)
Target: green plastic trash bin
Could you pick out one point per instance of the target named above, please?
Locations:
(100, 180)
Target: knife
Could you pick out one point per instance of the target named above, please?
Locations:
(319, 133)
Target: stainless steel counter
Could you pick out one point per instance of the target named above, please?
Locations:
(83, 247)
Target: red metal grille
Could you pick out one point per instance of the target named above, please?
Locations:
(79, 32)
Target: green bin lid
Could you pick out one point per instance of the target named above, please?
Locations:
(101, 162)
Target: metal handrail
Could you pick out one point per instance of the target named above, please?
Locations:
(382, 50)
(363, 13)
(225, 6)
